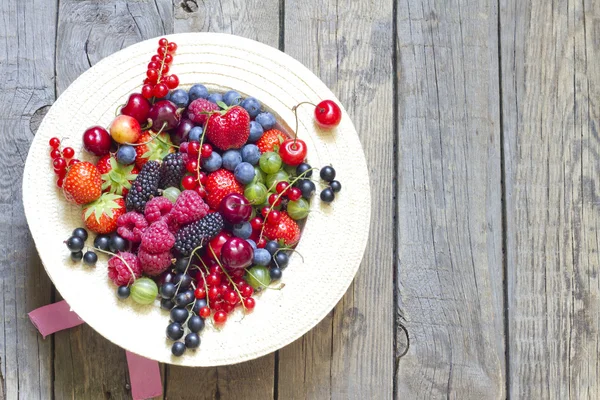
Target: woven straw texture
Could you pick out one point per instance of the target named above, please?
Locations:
(333, 240)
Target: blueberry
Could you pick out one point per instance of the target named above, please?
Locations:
(101, 242)
(327, 195)
(81, 233)
(266, 119)
(244, 173)
(126, 154)
(117, 243)
(232, 98)
(275, 273)
(302, 168)
(167, 290)
(215, 97)
(327, 173)
(251, 154)
(307, 187)
(192, 340)
(281, 259)
(213, 162)
(182, 299)
(272, 246)
(261, 257)
(195, 134)
(178, 349)
(256, 131)
(195, 323)
(179, 314)
(75, 244)
(167, 304)
(76, 255)
(197, 91)
(243, 230)
(90, 258)
(123, 292)
(180, 97)
(198, 305)
(251, 105)
(336, 186)
(252, 243)
(185, 279)
(182, 264)
(231, 158)
(174, 331)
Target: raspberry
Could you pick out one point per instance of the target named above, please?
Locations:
(120, 273)
(198, 233)
(154, 264)
(131, 225)
(157, 208)
(157, 238)
(198, 108)
(189, 207)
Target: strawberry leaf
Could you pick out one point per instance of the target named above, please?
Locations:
(222, 105)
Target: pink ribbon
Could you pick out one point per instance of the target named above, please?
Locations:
(144, 374)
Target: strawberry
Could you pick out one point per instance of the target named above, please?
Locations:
(286, 230)
(152, 149)
(270, 140)
(117, 178)
(103, 164)
(228, 129)
(218, 185)
(101, 215)
(83, 183)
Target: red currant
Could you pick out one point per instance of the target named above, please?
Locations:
(328, 114)
(168, 59)
(256, 223)
(223, 288)
(294, 194)
(162, 42)
(213, 293)
(206, 150)
(59, 182)
(261, 243)
(74, 161)
(165, 69)
(191, 166)
(215, 269)
(265, 211)
(153, 65)
(147, 90)
(213, 279)
(231, 297)
(59, 164)
(201, 191)
(237, 273)
(54, 142)
(247, 291)
(68, 152)
(218, 306)
(172, 47)
(183, 147)
(249, 303)
(161, 51)
(156, 58)
(152, 75)
(204, 312)
(200, 293)
(281, 187)
(160, 90)
(189, 182)
(202, 177)
(274, 200)
(193, 149)
(274, 217)
(220, 317)
(172, 81)
(55, 153)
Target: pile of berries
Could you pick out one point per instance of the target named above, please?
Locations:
(198, 198)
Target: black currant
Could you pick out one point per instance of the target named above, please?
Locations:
(178, 349)
(307, 187)
(272, 246)
(192, 340)
(327, 195)
(336, 186)
(75, 244)
(80, 232)
(76, 255)
(167, 290)
(101, 242)
(117, 243)
(174, 331)
(195, 323)
(181, 264)
(90, 258)
(327, 173)
(123, 292)
(275, 273)
(179, 314)
(167, 304)
(302, 168)
(281, 259)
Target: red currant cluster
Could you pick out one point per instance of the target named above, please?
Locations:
(157, 82)
(61, 159)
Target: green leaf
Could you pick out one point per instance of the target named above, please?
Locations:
(222, 105)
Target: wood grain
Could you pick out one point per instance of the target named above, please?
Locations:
(550, 86)
(86, 364)
(27, 84)
(449, 201)
(348, 44)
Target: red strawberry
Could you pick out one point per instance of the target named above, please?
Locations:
(286, 229)
(199, 109)
(118, 177)
(269, 140)
(218, 185)
(101, 215)
(103, 164)
(83, 183)
(152, 149)
(229, 129)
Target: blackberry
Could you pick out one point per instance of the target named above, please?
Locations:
(198, 233)
(173, 169)
(144, 187)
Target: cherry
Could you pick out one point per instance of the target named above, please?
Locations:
(191, 166)
(237, 253)
(182, 130)
(200, 293)
(206, 150)
(172, 81)
(59, 164)
(147, 91)
(160, 90)
(193, 149)
(137, 106)
(164, 113)
(68, 152)
(235, 208)
(281, 187)
(274, 217)
(54, 142)
(189, 182)
(216, 244)
(293, 151)
(328, 114)
(220, 317)
(249, 303)
(55, 153)
(204, 312)
(294, 194)
(97, 141)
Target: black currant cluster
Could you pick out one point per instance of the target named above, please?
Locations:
(279, 260)
(76, 243)
(112, 243)
(328, 175)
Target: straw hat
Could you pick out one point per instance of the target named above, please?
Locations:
(333, 239)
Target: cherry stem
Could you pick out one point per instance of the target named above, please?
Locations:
(120, 258)
(230, 280)
(295, 110)
(118, 110)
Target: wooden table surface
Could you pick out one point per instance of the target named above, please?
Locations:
(479, 124)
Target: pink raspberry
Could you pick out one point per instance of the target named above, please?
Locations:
(171, 222)
(189, 207)
(198, 108)
(131, 225)
(120, 273)
(154, 264)
(156, 208)
(157, 238)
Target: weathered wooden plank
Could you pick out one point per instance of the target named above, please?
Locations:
(550, 86)
(256, 20)
(449, 193)
(349, 45)
(27, 68)
(86, 364)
